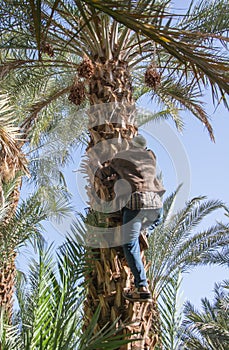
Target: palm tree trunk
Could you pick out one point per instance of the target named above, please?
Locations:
(7, 282)
(12, 161)
(110, 84)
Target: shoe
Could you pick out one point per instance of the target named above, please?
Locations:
(137, 295)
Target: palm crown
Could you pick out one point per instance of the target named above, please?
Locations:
(184, 54)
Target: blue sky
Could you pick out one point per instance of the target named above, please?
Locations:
(209, 165)
(209, 169)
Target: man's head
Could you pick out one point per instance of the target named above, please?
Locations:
(138, 141)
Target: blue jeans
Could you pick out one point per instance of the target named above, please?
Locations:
(131, 228)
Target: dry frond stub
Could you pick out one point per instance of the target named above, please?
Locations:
(152, 77)
(86, 68)
(77, 93)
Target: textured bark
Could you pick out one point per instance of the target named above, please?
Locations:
(111, 83)
(11, 161)
(7, 281)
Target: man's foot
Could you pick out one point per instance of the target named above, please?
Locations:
(139, 294)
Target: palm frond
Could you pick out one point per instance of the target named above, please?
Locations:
(56, 202)
(169, 203)
(106, 338)
(55, 147)
(50, 304)
(170, 39)
(179, 246)
(38, 106)
(24, 225)
(74, 255)
(206, 17)
(6, 199)
(195, 250)
(171, 313)
(209, 326)
(190, 50)
(145, 117)
(12, 158)
(8, 119)
(74, 31)
(9, 339)
(54, 313)
(220, 258)
(178, 94)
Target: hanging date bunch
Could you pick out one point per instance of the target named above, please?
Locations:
(86, 68)
(77, 93)
(152, 76)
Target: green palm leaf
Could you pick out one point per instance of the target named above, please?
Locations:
(199, 60)
(170, 313)
(208, 327)
(175, 245)
(50, 306)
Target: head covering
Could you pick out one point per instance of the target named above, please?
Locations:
(139, 141)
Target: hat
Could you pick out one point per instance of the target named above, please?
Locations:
(139, 141)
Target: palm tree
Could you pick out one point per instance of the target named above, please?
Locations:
(18, 223)
(13, 163)
(115, 45)
(209, 328)
(22, 228)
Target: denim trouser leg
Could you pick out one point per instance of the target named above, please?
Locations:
(131, 229)
(132, 223)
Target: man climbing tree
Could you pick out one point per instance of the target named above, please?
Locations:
(138, 195)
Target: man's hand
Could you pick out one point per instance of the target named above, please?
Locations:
(112, 177)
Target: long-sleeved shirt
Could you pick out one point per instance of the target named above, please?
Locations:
(137, 166)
